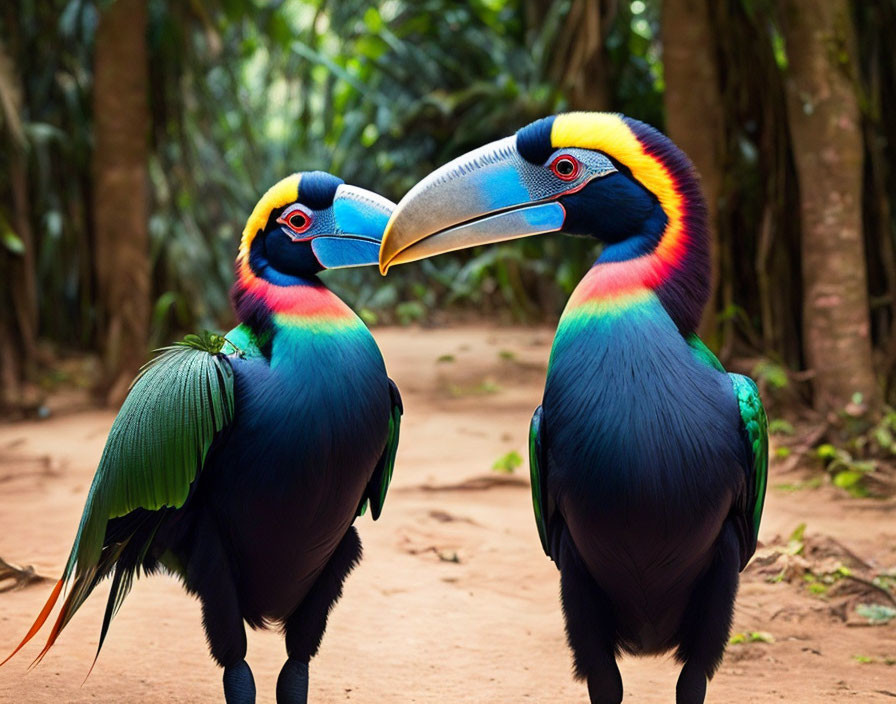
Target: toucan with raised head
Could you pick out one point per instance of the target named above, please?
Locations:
(648, 460)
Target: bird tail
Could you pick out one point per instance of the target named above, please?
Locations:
(39, 621)
(121, 559)
(80, 588)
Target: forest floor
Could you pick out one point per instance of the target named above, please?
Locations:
(455, 600)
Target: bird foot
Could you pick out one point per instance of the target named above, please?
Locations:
(239, 685)
(292, 684)
(691, 686)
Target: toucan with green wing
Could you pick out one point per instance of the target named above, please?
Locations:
(239, 463)
(648, 460)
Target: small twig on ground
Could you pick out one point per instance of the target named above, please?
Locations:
(849, 553)
(868, 583)
(18, 577)
(474, 484)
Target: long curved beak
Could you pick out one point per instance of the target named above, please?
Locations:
(479, 198)
(361, 217)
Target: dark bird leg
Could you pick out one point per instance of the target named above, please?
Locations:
(210, 577)
(706, 624)
(306, 625)
(590, 628)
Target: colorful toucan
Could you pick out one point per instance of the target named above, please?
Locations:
(648, 461)
(238, 463)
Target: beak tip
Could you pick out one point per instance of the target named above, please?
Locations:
(384, 266)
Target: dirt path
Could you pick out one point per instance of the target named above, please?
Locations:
(454, 601)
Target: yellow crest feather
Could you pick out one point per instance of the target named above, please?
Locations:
(607, 132)
(282, 193)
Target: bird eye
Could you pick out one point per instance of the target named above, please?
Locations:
(296, 220)
(565, 167)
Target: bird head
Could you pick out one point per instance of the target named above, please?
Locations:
(599, 175)
(309, 222)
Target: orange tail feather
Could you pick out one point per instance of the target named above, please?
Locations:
(39, 622)
(54, 632)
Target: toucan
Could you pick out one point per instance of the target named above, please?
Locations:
(239, 462)
(648, 461)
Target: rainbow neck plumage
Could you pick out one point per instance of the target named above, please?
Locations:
(295, 305)
(291, 314)
(671, 262)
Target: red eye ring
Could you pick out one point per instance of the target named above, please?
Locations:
(566, 167)
(296, 219)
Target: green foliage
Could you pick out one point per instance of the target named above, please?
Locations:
(853, 462)
(771, 373)
(243, 92)
(876, 613)
(795, 543)
(751, 637)
(779, 426)
(205, 341)
(369, 317)
(846, 472)
(818, 583)
(507, 464)
(813, 483)
(886, 580)
(8, 237)
(409, 312)
(481, 388)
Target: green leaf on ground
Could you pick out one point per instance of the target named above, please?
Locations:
(876, 614)
(506, 464)
(795, 541)
(752, 637)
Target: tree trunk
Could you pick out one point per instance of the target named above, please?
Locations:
(824, 123)
(121, 250)
(18, 318)
(579, 61)
(694, 113)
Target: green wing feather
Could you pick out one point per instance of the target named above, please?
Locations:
(158, 443)
(703, 353)
(536, 474)
(378, 486)
(755, 426)
(243, 341)
(177, 404)
(755, 429)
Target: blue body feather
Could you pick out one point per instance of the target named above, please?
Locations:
(644, 460)
(288, 478)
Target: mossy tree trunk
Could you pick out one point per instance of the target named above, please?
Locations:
(824, 123)
(121, 250)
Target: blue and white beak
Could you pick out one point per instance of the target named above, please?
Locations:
(491, 194)
(360, 220)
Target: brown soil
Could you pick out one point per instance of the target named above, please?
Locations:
(454, 600)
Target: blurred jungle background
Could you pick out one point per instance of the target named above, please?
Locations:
(135, 137)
